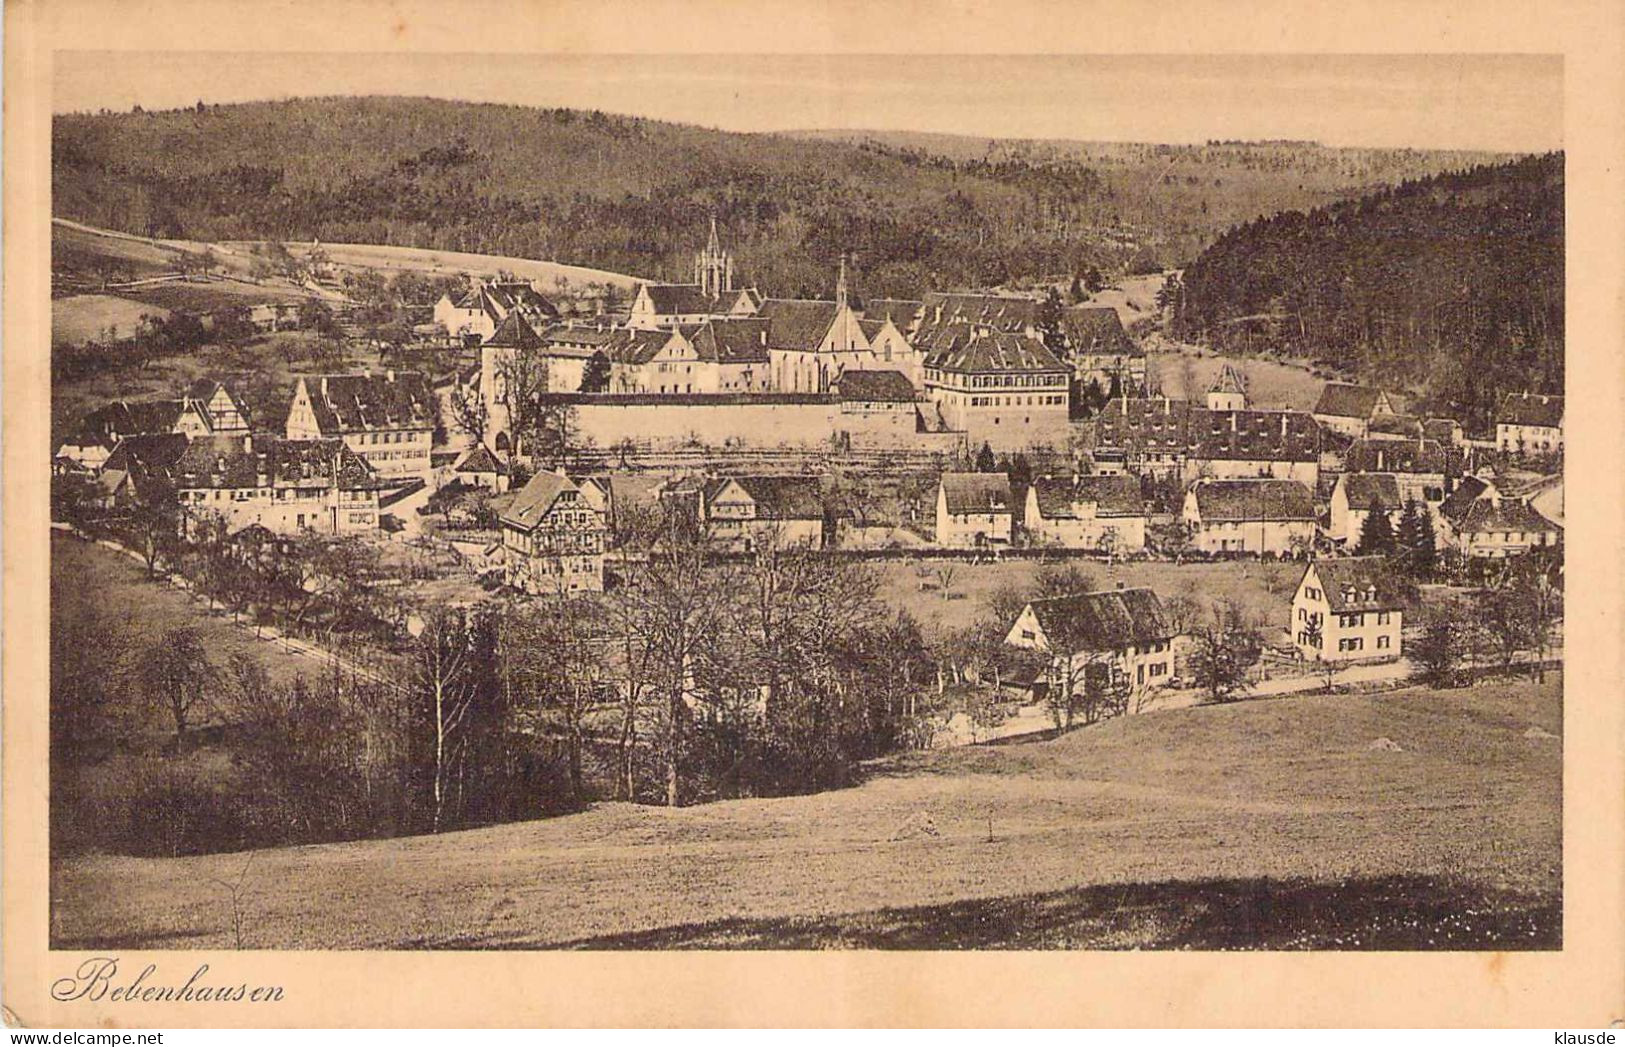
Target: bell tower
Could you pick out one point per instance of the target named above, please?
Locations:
(714, 267)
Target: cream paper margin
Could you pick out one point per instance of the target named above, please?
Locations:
(1581, 986)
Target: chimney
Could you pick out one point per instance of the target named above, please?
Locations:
(324, 386)
(389, 375)
(1232, 421)
(1283, 425)
(1379, 459)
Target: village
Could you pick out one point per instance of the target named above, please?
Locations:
(952, 442)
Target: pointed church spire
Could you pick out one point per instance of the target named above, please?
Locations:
(714, 246)
(840, 284)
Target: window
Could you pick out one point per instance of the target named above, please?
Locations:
(1028, 634)
(1382, 642)
(1382, 617)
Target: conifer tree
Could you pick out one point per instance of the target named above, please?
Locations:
(1376, 534)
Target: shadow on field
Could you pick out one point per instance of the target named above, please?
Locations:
(1401, 912)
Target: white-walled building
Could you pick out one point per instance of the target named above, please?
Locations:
(553, 538)
(747, 513)
(1356, 496)
(1087, 512)
(287, 486)
(1274, 517)
(1349, 610)
(1529, 424)
(1349, 409)
(1120, 637)
(389, 419)
(974, 511)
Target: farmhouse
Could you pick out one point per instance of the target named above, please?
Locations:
(1419, 467)
(1275, 517)
(974, 510)
(1151, 435)
(284, 485)
(100, 431)
(141, 471)
(223, 411)
(1349, 610)
(478, 311)
(879, 398)
(478, 467)
(388, 419)
(1118, 639)
(1087, 512)
(1349, 409)
(1528, 424)
(746, 513)
(1483, 523)
(1284, 445)
(1007, 390)
(1357, 496)
(553, 538)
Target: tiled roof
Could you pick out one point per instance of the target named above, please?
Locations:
(1112, 495)
(535, 499)
(732, 341)
(348, 403)
(776, 497)
(230, 462)
(480, 460)
(1260, 436)
(1362, 583)
(1368, 490)
(687, 300)
(1095, 331)
(1395, 456)
(976, 492)
(1009, 313)
(983, 351)
(1339, 399)
(874, 386)
(1102, 621)
(1493, 513)
(515, 332)
(635, 346)
(1457, 502)
(797, 323)
(1156, 425)
(900, 311)
(1252, 500)
(1531, 409)
(107, 424)
(158, 452)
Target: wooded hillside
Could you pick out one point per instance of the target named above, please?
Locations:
(633, 195)
(1452, 285)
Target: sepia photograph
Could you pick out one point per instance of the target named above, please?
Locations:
(806, 502)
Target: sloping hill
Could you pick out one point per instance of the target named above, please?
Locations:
(632, 195)
(1453, 285)
(1264, 824)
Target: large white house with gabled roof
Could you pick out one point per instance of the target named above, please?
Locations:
(553, 538)
(1349, 610)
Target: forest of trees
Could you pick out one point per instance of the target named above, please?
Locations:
(633, 195)
(1451, 286)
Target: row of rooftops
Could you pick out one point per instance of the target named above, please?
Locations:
(160, 462)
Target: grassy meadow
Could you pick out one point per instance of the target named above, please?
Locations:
(1271, 824)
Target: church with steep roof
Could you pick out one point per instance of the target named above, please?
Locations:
(712, 295)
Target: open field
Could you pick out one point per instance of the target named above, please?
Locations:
(1262, 824)
(84, 317)
(1264, 590)
(382, 257)
(1269, 384)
